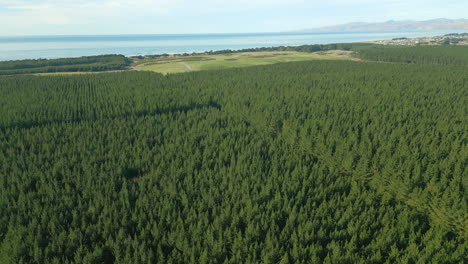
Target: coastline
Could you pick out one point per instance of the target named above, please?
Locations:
(143, 45)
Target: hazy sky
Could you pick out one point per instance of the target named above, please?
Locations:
(58, 17)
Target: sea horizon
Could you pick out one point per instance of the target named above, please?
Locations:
(64, 46)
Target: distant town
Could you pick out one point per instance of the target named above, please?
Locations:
(448, 39)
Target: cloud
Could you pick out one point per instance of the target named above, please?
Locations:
(174, 16)
(146, 5)
(35, 13)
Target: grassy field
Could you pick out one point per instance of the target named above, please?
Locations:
(212, 62)
(177, 64)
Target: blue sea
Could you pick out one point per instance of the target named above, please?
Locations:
(34, 47)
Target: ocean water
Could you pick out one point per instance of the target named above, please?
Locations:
(34, 47)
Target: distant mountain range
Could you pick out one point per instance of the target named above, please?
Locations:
(440, 23)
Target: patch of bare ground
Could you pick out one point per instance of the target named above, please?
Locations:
(339, 54)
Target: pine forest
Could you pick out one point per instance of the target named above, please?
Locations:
(304, 162)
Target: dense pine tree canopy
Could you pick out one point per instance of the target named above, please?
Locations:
(89, 63)
(306, 162)
(446, 55)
